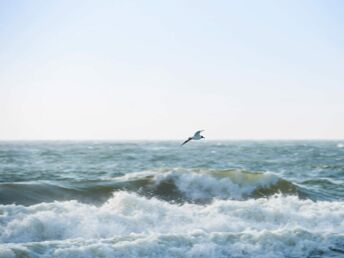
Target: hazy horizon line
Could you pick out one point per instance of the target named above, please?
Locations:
(169, 140)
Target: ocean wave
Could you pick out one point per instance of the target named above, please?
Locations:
(204, 185)
(129, 225)
(29, 193)
(174, 185)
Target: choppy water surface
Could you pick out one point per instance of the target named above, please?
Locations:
(157, 199)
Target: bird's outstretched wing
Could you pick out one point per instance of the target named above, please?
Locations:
(198, 132)
(189, 139)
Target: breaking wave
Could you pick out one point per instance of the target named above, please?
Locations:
(204, 185)
(174, 185)
(129, 225)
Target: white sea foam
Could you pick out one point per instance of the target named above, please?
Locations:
(340, 145)
(128, 225)
(200, 185)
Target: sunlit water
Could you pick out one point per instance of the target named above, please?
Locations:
(157, 199)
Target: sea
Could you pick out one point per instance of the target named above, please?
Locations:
(235, 199)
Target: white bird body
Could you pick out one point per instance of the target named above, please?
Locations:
(197, 136)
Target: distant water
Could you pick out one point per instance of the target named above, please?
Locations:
(157, 199)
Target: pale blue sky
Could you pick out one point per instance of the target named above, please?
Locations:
(163, 69)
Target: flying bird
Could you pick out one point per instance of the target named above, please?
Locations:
(197, 136)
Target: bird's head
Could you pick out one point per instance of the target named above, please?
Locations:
(202, 137)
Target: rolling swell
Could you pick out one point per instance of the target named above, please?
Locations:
(173, 185)
(29, 193)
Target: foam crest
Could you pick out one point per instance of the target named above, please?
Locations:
(271, 227)
(202, 186)
(127, 213)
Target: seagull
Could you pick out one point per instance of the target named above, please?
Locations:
(197, 136)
